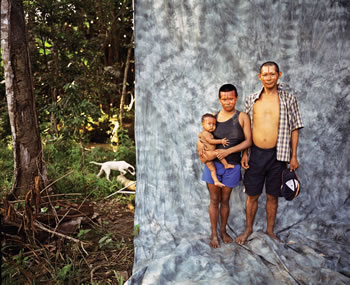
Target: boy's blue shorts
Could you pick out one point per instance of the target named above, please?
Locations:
(229, 177)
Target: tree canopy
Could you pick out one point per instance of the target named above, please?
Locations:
(79, 54)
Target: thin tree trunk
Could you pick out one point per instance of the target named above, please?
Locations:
(126, 70)
(27, 148)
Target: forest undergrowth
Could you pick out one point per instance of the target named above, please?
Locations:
(75, 235)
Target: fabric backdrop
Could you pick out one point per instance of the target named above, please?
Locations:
(185, 50)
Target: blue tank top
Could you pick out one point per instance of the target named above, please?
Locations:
(232, 130)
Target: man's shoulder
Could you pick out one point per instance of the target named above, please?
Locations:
(255, 94)
(286, 91)
(251, 98)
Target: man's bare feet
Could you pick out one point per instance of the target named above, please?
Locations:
(219, 184)
(214, 243)
(226, 238)
(241, 239)
(273, 236)
(228, 165)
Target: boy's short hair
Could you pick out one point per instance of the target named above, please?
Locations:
(207, 115)
(228, 88)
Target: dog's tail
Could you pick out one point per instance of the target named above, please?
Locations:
(131, 172)
(97, 163)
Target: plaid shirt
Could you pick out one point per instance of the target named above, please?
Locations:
(290, 119)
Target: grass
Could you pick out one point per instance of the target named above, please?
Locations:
(68, 166)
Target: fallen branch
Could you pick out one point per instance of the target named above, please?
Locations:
(58, 179)
(119, 191)
(40, 226)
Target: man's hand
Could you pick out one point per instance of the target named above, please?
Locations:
(224, 141)
(294, 164)
(221, 153)
(201, 149)
(244, 160)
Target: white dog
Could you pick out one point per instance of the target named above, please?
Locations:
(121, 166)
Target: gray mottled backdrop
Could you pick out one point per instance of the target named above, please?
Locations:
(185, 50)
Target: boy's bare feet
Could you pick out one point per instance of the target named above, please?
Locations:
(241, 239)
(273, 236)
(214, 243)
(226, 238)
(219, 184)
(228, 165)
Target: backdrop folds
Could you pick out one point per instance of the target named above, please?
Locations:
(185, 50)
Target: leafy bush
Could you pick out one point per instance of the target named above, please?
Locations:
(6, 168)
(69, 168)
(69, 157)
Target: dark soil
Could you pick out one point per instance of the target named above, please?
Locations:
(106, 257)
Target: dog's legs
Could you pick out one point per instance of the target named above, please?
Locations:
(107, 171)
(132, 172)
(100, 173)
(122, 171)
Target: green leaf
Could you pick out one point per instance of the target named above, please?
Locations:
(83, 232)
(62, 274)
(44, 210)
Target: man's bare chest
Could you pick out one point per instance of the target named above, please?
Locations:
(266, 108)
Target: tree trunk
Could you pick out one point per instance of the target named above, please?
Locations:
(126, 70)
(27, 146)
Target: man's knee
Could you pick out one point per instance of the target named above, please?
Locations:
(271, 198)
(253, 199)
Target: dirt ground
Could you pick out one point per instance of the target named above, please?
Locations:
(98, 251)
(117, 218)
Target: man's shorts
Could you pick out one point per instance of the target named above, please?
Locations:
(230, 177)
(263, 167)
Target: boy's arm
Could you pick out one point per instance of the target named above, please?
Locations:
(210, 139)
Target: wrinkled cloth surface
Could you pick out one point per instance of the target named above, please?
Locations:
(185, 50)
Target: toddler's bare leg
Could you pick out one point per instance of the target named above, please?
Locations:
(226, 164)
(210, 155)
(212, 168)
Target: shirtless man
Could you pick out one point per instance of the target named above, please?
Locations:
(276, 121)
(207, 138)
(235, 127)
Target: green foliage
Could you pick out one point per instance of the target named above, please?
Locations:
(136, 230)
(5, 129)
(64, 273)
(82, 232)
(68, 157)
(78, 50)
(9, 270)
(6, 167)
(68, 164)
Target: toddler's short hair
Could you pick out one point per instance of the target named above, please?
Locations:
(207, 115)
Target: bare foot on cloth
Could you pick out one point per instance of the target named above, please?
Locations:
(241, 239)
(228, 165)
(273, 236)
(226, 238)
(214, 243)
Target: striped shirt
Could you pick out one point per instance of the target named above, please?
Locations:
(290, 119)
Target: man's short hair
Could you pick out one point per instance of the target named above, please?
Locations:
(270, 63)
(228, 88)
(207, 115)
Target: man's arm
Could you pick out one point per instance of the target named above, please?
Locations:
(245, 159)
(294, 164)
(245, 123)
